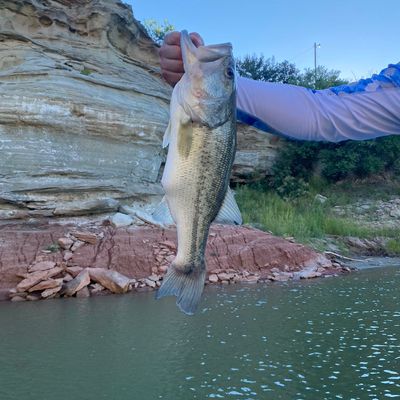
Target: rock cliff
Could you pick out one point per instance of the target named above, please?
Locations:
(83, 110)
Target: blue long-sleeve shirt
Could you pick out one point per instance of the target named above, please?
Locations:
(362, 110)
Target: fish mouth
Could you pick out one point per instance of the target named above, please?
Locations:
(207, 53)
(214, 52)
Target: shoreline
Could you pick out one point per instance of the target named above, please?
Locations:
(45, 260)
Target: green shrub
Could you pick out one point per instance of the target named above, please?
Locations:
(334, 161)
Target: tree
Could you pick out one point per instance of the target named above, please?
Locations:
(267, 69)
(157, 30)
(325, 78)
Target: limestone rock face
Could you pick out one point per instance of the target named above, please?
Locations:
(83, 110)
(255, 154)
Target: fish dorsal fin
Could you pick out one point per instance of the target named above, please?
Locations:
(229, 212)
(167, 136)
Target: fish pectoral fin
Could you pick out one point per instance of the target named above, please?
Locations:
(167, 136)
(162, 214)
(187, 287)
(148, 218)
(229, 212)
(185, 136)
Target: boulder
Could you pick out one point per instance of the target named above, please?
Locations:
(76, 284)
(42, 266)
(120, 219)
(47, 284)
(35, 277)
(112, 280)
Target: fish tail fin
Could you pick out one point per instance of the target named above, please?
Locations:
(186, 286)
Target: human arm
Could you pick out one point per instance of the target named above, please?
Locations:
(364, 110)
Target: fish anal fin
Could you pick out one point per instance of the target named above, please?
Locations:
(229, 212)
(162, 213)
(186, 286)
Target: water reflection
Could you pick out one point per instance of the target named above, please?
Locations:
(334, 338)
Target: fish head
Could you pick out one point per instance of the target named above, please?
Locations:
(207, 89)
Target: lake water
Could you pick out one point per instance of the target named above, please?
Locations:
(332, 338)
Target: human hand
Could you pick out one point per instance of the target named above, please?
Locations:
(171, 56)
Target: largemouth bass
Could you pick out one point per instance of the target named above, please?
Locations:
(201, 136)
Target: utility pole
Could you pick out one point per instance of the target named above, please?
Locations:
(316, 45)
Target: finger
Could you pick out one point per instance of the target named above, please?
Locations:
(172, 65)
(196, 39)
(171, 77)
(173, 38)
(171, 52)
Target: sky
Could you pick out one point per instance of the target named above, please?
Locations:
(357, 37)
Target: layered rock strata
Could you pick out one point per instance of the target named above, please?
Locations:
(83, 110)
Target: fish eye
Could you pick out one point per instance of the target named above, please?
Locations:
(230, 73)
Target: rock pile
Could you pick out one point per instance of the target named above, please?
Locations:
(97, 259)
(372, 213)
(47, 280)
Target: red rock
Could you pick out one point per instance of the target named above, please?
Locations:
(87, 237)
(67, 278)
(47, 284)
(18, 298)
(95, 288)
(65, 243)
(213, 278)
(170, 258)
(54, 272)
(83, 293)
(50, 292)
(225, 277)
(74, 271)
(42, 266)
(169, 244)
(160, 258)
(251, 279)
(280, 278)
(162, 269)
(37, 276)
(68, 255)
(154, 270)
(123, 250)
(77, 245)
(78, 283)
(112, 280)
(217, 271)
